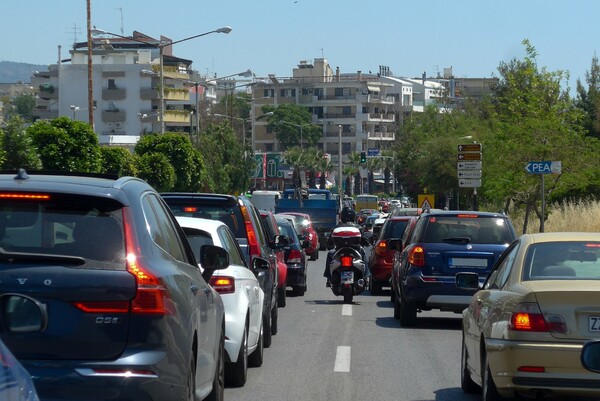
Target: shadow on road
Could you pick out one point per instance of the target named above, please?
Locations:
(428, 323)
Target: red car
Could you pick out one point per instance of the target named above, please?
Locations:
(304, 226)
(382, 257)
(272, 230)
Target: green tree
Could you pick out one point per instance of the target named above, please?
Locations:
(17, 147)
(118, 161)
(588, 100)
(293, 125)
(325, 167)
(156, 169)
(187, 163)
(228, 163)
(23, 106)
(66, 145)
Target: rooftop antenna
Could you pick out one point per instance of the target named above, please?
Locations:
(121, 10)
(322, 56)
(75, 31)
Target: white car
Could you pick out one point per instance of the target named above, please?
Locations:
(241, 294)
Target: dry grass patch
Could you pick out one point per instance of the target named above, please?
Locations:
(581, 216)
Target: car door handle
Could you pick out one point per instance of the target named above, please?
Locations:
(194, 289)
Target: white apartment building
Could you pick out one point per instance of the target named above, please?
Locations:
(126, 89)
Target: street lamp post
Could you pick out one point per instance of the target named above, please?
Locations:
(161, 45)
(340, 158)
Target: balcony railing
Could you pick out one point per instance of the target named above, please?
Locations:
(112, 116)
(177, 94)
(113, 94)
(381, 117)
(177, 116)
(381, 136)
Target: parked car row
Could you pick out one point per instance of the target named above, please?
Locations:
(529, 304)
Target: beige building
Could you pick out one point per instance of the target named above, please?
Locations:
(352, 109)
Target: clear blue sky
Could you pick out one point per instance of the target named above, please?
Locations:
(272, 36)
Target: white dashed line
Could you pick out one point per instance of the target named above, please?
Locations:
(342, 359)
(347, 310)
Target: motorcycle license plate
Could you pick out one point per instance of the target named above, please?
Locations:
(347, 277)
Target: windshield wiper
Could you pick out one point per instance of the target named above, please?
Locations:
(458, 240)
(16, 257)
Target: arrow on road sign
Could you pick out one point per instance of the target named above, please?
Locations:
(469, 156)
(471, 147)
(544, 167)
(469, 174)
(469, 165)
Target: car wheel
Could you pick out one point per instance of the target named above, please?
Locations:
(396, 307)
(256, 358)
(466, 383)
(218, 389)
(267, 331)
(281, 297)
(393, 295)
(314, 255)
(408, 313)
(489, 392)
(274, 319)
(299, 291)
(237, 372)
(376, 287)
(191, 381)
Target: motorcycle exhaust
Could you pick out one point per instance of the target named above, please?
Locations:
(360, 282)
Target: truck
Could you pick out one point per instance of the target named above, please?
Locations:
(322, 207)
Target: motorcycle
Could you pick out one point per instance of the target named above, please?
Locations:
(347, 267)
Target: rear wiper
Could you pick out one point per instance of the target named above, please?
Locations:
(459, 240)
(16, 257)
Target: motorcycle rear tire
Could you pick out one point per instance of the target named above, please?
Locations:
(347, 291)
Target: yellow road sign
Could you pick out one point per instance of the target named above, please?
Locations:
(426, 201)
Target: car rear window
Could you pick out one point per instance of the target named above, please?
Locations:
(568, 260)
(394, 228)
(472, 228)
(230, 215)
(64, 224)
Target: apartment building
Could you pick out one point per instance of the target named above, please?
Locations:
(126, 88)
(354, 110)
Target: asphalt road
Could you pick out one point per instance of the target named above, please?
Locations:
(326, 350)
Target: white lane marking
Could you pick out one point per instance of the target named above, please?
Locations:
(347, 310)
(342, 359)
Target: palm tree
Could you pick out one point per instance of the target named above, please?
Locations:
(311, 160)
(388, 163)
(294, 158)
(372, 165)
(324, 166)
(349, 171)
(354, 162)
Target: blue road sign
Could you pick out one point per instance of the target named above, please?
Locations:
(373, 152)
(544, 167)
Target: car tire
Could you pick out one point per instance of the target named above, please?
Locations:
(489, 392)
(281, 297)
(218, 390)
(392, 296)
(274, 319)
(376, 287)
(314, 255)
(396, 307)
(267, 330)
(466, 382)
(299, 291)
(236, 372)
(255, 359)
(408, 313)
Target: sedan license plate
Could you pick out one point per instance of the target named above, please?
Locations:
(595, 323)
(467, 263)
(347, 277)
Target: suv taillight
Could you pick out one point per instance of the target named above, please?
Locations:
(252, 240)
(416, 256)
(223, 284)
(294, 256)
(151, 296)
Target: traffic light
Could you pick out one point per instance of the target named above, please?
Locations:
(363, 157)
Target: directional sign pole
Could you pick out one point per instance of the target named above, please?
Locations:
(543, 204)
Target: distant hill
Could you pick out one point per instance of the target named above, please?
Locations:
(12, 72)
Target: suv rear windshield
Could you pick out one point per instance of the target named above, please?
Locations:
(230, 215)
(394, 228)
(63, 224)
(475, 229)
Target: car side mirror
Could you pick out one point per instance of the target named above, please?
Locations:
(213, 258)
(280, 242)
(22, 314)
(260, 265)
(467, 281)
(590, 356)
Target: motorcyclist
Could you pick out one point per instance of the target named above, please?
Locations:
(347, 219)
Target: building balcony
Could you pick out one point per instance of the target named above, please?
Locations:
(42, 114)
(378, 99)
(176, 94)
(48, 91)
(113, 94)
(177, 117)
(149, 94)
(381, 136)
(381, 117)
(337, 116)
(335, 100)
(110, 116)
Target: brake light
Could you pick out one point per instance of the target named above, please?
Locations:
(381, 248)
(416, 256)
(24, 196)
(532, 369)
(528, 317)
(252, 240)
(346, 261)
(151, 296)
(190, 209)
(223, 284)
(103, 307)
(294, 256)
